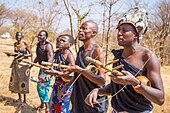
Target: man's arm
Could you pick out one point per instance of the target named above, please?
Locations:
(50, 52)
(50, 56)
(92, 96)
(97, 79)
(155, 93)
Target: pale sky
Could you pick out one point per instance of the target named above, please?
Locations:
(121, 6)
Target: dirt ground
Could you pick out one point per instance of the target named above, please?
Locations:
(8, 100)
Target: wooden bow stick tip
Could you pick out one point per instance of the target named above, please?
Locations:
(11, 54)
(112, 62)
(117, 67)
(52, 63)
(59, 64)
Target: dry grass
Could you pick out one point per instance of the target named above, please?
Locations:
(8, 103)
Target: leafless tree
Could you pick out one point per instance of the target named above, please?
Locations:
(48, 15)
(108, 5)
(4, 12)
(160, 30)
(80, 16)
(69, 14)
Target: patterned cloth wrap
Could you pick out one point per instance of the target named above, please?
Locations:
(43, 88)
(20, 73)
(19, 80)
(56, 105)
(138, 17)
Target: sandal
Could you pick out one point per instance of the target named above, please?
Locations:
(42, 107)
(47, 111)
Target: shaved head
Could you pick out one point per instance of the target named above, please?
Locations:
(93, 25)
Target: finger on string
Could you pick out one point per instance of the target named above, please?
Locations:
(95, 101)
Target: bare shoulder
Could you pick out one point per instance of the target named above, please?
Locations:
(98, 48)
(148, 53)
(98, 53)
(69, 52)
(49, 45)
(70, 57)
(15, 43)
(150, 56)
(24, 42)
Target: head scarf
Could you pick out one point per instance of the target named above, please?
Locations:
(138, 17)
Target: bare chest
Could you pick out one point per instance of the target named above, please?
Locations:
(136, 60)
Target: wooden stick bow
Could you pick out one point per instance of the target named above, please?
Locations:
(98, 63)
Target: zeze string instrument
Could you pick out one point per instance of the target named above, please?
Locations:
(143, 79)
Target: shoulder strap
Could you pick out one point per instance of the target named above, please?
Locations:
(91, 50)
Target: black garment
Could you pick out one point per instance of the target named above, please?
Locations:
(41, 53)
(59, 57)
(83, 86)
(21, 51)
(128, 100)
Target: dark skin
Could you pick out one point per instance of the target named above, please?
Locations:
(42, 38)
(136, 55)
(24, 47)
(50, 53)
(87, 32)
(62, 43)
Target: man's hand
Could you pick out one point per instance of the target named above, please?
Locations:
(127, 78)
(48, 77)
(48, 71)
(41, 78)
(74, 68)
(92, 97)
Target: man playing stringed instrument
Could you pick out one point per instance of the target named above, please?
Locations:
(137, 61)
(19, 81)
(84, 81)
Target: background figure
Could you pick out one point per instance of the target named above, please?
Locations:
(44, 52)
(87, 81)
(64, 55)
(138, 61)
(19, 81)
